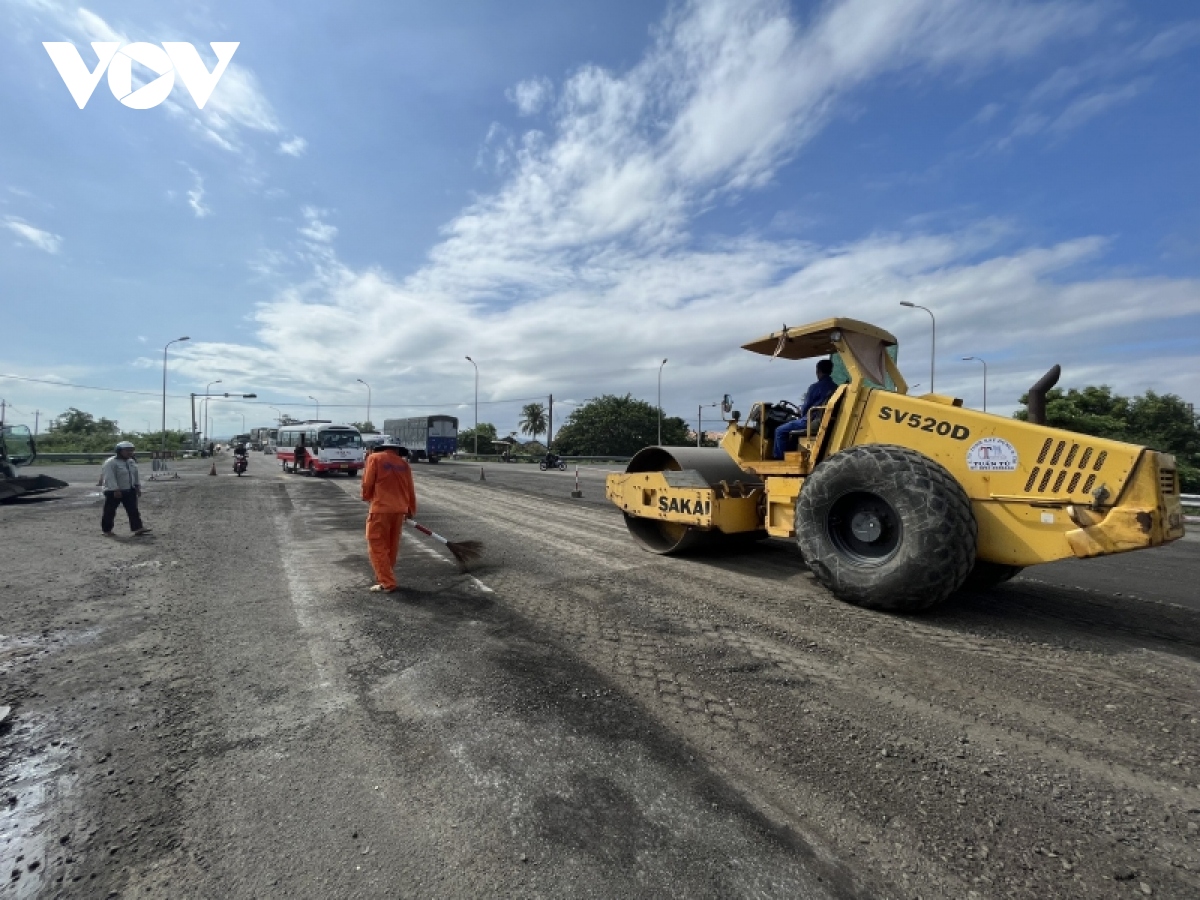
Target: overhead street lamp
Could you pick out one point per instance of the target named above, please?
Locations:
(204, 418)
(932, 337)
(660, 368)
(360, 381)
(978, 360)
(164, 397)
(472, 362)
(225, 396)
(279, 419)
(318, 402)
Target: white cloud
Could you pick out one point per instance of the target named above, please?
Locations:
(295, 146)
(579, 272)
(530, 96)
(43, 240)
(1074, 95)
(314, 229)
(986, 113)
(1083, 109)
(196, 196)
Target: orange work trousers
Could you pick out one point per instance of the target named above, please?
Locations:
(383, 545)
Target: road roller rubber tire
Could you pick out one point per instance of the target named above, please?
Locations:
(884, 527)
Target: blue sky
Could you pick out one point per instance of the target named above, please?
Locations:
(570, 192)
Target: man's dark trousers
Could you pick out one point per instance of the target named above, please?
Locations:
(128, 499)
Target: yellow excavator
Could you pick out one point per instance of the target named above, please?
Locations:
(897, 501)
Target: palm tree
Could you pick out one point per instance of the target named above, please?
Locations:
(533, 419)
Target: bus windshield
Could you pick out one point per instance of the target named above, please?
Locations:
(330, 439)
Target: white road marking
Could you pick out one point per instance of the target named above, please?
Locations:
(302, 574)
(429, 551)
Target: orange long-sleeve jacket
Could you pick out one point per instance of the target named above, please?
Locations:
(388, 484)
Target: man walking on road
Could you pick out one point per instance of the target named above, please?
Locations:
(388, 486)
(122, 487)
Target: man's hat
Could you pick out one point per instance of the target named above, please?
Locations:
(124, 445)
(389, 444)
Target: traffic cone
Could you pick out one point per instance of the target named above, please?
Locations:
(213, 470)
(482, 477)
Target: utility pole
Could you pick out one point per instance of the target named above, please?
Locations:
(37, 413)
(550, 424)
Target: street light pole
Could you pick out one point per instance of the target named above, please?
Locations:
(978, 360)
(660, 368)
(472, 362)
(318, 402)
(360, 381)
(164, 397)
(204, 418)
(279, 419)
(932, 337)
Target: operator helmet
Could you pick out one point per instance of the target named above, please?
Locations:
(124, 445)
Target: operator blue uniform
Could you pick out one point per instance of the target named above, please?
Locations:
(818, 395)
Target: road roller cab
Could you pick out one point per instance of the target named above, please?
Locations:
(896, 501)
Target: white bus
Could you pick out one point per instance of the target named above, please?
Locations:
(331, 448)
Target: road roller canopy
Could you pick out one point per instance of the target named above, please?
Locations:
(807, 341)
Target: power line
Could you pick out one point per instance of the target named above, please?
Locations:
(86, 387)
(89, 387)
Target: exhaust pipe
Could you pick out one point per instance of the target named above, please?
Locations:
(1036, 405)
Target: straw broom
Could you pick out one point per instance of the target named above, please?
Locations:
(464, 551)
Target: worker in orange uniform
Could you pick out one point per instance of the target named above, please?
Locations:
(388, 485)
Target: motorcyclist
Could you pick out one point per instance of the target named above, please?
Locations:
(241, 456)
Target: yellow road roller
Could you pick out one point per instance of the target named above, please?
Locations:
(896, 501)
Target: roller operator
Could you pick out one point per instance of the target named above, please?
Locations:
(818, 395)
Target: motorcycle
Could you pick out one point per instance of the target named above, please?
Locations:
(552, 461)
(240, 463)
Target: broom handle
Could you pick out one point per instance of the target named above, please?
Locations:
(421, 528)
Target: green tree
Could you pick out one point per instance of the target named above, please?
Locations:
(533, 419)
(1160, 421)
(367, 427)
(76, 421)
(487, 434)
(617, 426)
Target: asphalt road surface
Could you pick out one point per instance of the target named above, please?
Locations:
(221, 709)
